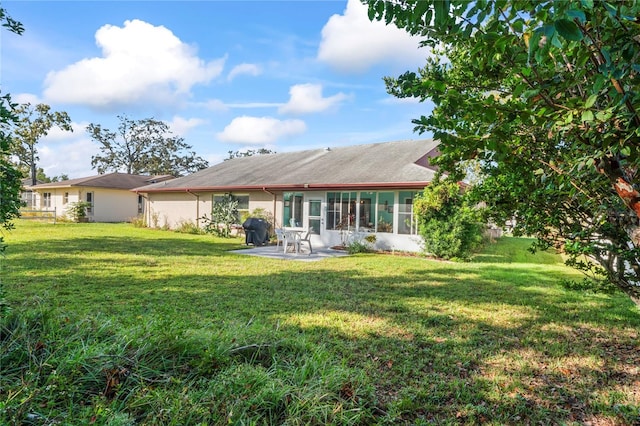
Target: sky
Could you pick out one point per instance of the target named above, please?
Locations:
(224, 75)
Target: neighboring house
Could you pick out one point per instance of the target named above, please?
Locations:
(27, 196)
(109, 195)
(335, 191)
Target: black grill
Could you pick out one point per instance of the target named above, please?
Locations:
(256, 231)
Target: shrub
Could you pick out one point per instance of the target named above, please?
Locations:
(188, 227)
(139, 222)
(77, 211)
(358, 244)
(449, 226)
(224, 213)
(259, 213)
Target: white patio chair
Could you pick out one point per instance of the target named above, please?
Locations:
(306, 239)
(281, 239)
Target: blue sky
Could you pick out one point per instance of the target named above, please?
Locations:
(225, 75)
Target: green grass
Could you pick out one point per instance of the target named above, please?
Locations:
(117, 325)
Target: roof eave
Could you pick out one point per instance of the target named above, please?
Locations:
(290, 187)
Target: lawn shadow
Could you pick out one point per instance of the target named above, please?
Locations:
(443, 342)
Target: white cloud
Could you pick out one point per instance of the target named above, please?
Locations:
(181, 126)
(255, 105)
(352, 43)
(307, 98)
(212, 104)
(56, 134)
(26, 98)
(260, 130)
(249, 69)
(140, 63)
(67, 153)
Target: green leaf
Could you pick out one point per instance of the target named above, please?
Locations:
(587, 116)
(611, 9)
(420, 9)
(371, 13)
(588, 4)
(590, 101)
(442, 12)
(568, 30)
(569, 118)
(576, 14)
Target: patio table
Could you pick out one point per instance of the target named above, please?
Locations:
(292, 236)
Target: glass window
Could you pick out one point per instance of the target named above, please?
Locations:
(90, 201)
(407, 223)
(341, 210)
(65, 198)
(292, 211)
(140, 204)
(385, 212)
(366, 210)
(315, 216)
(243, 204)
(46, 199)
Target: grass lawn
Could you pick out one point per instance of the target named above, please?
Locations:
(116, 325)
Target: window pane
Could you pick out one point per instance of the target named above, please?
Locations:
(366, 212)
(341, 210)
(314, 208)
(406, 221)
(243, 202)
(314, 226)
(90, 201)
(385, 212)
(292, 210)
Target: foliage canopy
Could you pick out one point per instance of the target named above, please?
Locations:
(35, 122)
(10, 177)
(543, 95)
(145, 147)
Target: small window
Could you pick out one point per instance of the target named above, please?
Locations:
(65, 198)
(385, 212)
(243, 204)
(90, 200)
(341, 210)
(140, 204)
(407, 223)
(46, 199)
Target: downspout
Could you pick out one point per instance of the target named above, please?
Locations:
(264, 188)
(197, 207)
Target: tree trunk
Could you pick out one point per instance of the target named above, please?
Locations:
(34, 180)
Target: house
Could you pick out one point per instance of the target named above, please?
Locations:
(27, 196)
(109, 195)
(334, 191)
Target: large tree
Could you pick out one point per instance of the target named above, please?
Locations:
(33, 124)
(143, 146)
(10, 177)
(544, 96)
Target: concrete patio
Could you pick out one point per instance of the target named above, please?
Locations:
(274, 252)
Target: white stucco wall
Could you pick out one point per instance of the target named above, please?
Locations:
(171, 209)
(113, 205)
(109, 205)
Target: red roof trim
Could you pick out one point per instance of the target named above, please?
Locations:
(296, 187)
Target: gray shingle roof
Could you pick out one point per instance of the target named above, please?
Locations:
(389, 164)
(110, 180)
